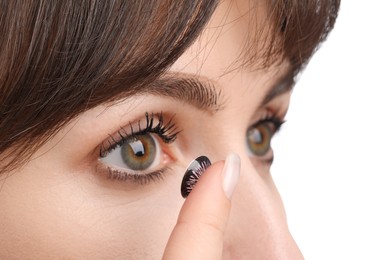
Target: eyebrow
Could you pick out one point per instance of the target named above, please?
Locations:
(282, 85)
(199, 93)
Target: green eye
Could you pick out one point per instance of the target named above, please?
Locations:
(259, 137)
(136, 153)
(139, 152)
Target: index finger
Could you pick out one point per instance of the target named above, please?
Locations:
(202, 221)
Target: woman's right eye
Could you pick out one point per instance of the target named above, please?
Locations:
(138, 156)
(136, 153)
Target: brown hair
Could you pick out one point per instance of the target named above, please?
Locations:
(60, 58)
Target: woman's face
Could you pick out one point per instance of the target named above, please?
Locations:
(108, 184)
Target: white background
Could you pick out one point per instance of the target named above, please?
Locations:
(321, 159)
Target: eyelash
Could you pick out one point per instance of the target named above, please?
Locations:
(167, 132)
(271, 119)
(141, 179)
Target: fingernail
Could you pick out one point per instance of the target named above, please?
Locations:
(231, 173)
(193, 172)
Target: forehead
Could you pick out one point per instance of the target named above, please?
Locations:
(223, 51)
(233, 36)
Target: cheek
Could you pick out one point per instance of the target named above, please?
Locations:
(68, 214)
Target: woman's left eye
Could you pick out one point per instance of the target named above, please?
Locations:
(259, 136)
(137, 153)
(138, 156)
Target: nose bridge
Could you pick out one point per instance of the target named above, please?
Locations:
(257, 228)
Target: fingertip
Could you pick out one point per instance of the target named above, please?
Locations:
(203, 218)
(231, 173)
(207, 197)
(229, 170)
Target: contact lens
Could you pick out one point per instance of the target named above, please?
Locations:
(193, 172)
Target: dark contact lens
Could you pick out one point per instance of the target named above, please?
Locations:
(193, 172)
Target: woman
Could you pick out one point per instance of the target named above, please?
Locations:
(104, 104)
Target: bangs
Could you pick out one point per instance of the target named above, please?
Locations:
(291, 31)
(302, 27)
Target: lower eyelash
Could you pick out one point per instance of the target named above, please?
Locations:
(135, 178)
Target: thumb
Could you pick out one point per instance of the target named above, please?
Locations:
(202, 221)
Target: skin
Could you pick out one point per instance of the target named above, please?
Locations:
(62, 205)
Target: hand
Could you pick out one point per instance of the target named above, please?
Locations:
(202, 221)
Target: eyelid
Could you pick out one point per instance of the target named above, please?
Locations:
(277, 122)
(266, 114)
